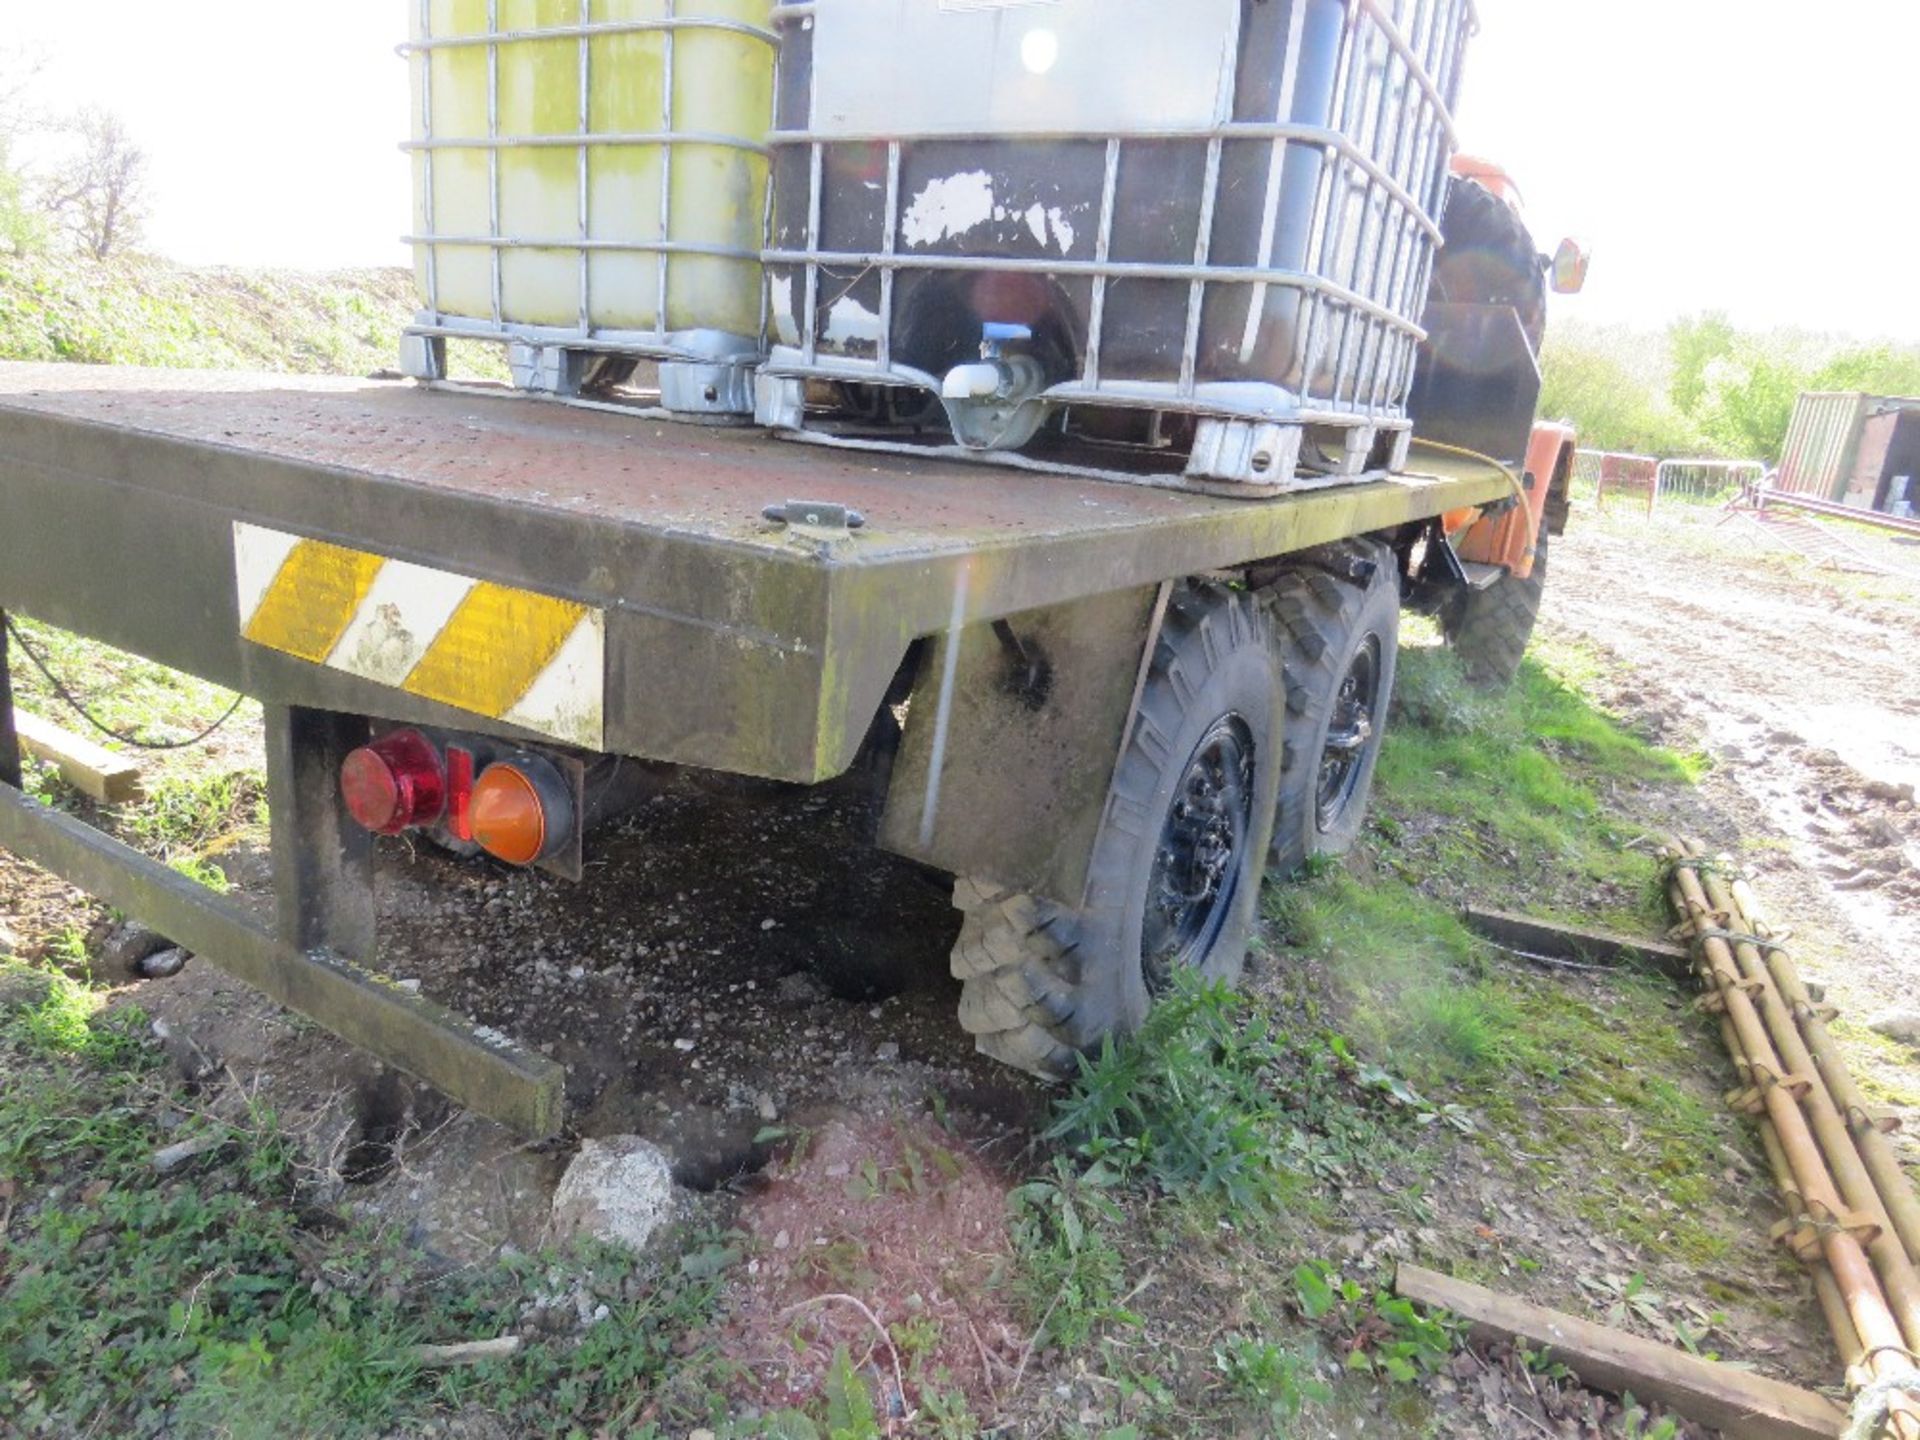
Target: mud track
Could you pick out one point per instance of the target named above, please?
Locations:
(1802, 687)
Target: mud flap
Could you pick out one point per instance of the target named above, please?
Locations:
(1012, 732)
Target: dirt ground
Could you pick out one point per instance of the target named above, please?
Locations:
(743, 968)
(1802, 685)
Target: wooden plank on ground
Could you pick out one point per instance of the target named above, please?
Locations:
(1735, 1401)
(91, 769)
(1555, 941)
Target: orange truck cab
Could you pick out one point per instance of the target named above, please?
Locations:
(1478, 382)
(1510, 539)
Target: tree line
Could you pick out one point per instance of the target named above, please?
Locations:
(75, 177)
(1704, 387)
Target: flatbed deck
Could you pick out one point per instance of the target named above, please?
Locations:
(731, 642)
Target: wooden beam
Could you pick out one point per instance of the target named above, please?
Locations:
(1735, 1401)
(1555, 941)
(91, 769)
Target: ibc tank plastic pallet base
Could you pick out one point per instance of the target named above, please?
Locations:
(694, 393)
(1236, 459)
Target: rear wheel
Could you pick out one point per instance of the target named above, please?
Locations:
(1490, 629)
(1176, 867)
(1336, 626)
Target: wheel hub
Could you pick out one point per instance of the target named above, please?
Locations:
(1350, 728)
(1197, 863)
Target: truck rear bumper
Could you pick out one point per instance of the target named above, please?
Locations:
(483, 1070)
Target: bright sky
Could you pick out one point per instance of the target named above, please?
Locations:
(1748, 155)
(1754, 156)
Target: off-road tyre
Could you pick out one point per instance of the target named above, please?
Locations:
(1488, 257)
(1490, 629)
(1044, 982)
(1326, 611)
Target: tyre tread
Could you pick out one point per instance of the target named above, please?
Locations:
(1315, 605)
(1490, 629)
(1016, 956)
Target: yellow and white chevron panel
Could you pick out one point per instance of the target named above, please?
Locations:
(531, 660)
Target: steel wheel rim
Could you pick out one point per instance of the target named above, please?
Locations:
(1197, 862)
(1350, 728)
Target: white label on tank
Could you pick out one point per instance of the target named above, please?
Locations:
(1062, 230)
(1036, 218)
(949, 207)
(1018, 67)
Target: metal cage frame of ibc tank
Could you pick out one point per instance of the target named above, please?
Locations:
(1248, 440)
(702, 372)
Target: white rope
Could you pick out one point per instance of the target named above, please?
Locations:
(1874, 1404)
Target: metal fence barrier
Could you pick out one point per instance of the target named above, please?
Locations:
(1609, 474)
(1612, 474)
(1707, 482)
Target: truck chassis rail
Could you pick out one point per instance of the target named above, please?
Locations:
(487, 1073)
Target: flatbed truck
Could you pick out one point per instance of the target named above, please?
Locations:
(1086, 700)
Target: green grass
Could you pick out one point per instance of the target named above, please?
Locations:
(1211, 1136)
(1519, 780)
(1187, 1103)
(1384, 1031)
(124, 692)
(1208, 1154)
(217, 1302)
(1408, 969)
(199, 802)
(194, 816)
(1265, 1376)
(1607, 1082)
(140, 311)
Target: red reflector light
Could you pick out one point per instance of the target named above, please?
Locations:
(460, 793)
(394, 784)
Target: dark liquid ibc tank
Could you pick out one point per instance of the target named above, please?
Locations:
(1220, 209)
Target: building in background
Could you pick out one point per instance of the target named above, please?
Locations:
(1857, 450)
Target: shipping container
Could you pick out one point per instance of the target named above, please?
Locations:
(1852, 449)
(1205, 228)
(1888, 461)
(590, 187)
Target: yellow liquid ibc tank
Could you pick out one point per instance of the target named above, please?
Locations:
(590, 179)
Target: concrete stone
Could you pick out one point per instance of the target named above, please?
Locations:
(22, 986)
(1901, 1025)
(469, 1192)
(619, 1191)
(128, 946)
(163, 964)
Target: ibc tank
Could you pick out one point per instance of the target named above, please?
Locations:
(1219, 211)
(590, 185)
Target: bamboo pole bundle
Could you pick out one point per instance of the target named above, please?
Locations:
(1839, 1222)
(1846, 1336)
(1876, 1151)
